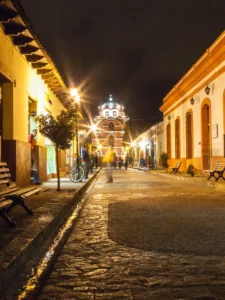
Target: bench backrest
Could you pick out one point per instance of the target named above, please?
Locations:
(5, 176)
(178, 164)
(220, 166)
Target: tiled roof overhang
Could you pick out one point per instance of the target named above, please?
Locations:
(17, 26)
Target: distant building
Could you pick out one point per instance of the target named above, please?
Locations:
(110, 127)
(149, 145)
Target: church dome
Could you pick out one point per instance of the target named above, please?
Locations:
(110, 104)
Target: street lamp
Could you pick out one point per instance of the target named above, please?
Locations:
(74, 93)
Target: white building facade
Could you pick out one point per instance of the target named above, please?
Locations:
(194, 112)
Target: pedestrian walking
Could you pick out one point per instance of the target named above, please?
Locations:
(34, 172)
(142, 162)
(32, 141)
(85, 162)
(115, 162)
(126, 162)
(35, 176)
(120, 163)
(109, 160)
(96, 160)
(92, 163)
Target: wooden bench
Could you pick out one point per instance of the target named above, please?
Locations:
(10, 195)
(176, 168)
(218, 170)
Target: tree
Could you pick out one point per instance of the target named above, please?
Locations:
(61, 130)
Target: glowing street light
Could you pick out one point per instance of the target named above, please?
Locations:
(93, 127)
(73, 92)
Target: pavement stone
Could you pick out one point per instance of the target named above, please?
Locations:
(94, 266)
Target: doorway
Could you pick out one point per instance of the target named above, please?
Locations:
(32, 113)
(206, 137)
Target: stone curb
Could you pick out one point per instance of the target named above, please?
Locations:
(195, 180)
(21, 249)
(217, 185)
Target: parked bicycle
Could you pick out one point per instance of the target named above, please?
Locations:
(77, 172)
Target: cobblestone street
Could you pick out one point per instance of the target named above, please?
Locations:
(144, 237)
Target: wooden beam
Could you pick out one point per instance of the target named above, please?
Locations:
(6, 13)
(34, 57)
(39, 65)
(47, 76)
(28, 49)
(21, 40)
(43, 71)
(13, 28)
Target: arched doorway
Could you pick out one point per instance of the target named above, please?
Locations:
(189, 135)
(206, 137)
(168, 139)
(177, 138)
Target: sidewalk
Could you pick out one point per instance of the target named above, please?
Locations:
(51, 208)
(199, 179)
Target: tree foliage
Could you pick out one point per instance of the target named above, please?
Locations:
(60, 130)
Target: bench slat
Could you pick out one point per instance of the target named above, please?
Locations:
(3, 164)
(9, 191)
(11, 196)
(25, 191)
(7, 175)
(37, 190)
(5, 181)
(4, 170)
(5, 203)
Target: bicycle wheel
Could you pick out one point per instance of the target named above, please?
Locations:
(76, 174)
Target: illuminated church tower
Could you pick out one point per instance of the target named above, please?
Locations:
(110, 127)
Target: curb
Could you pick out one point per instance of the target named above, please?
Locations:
(45, 225)
(194, 180)
(217, 185)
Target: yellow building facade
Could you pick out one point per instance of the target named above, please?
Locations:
(30, 85)
(194, 112)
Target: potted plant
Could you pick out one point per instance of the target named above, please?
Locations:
(191, 170)
(164, 158)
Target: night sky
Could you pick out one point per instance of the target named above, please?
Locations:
(136, 50)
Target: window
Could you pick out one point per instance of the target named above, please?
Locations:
(114, 113)
(111, 127)
(189, 137)
(106, 114)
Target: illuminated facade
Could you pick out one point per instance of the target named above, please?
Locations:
(110, 127)
(149, 145)
(30, 85)
(194, 112)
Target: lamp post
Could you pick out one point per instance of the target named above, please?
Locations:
(74, 93)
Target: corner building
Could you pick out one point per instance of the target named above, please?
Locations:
(194, 112)
(110, 127)
(30, 85)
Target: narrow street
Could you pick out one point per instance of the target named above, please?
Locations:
(144, 237)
